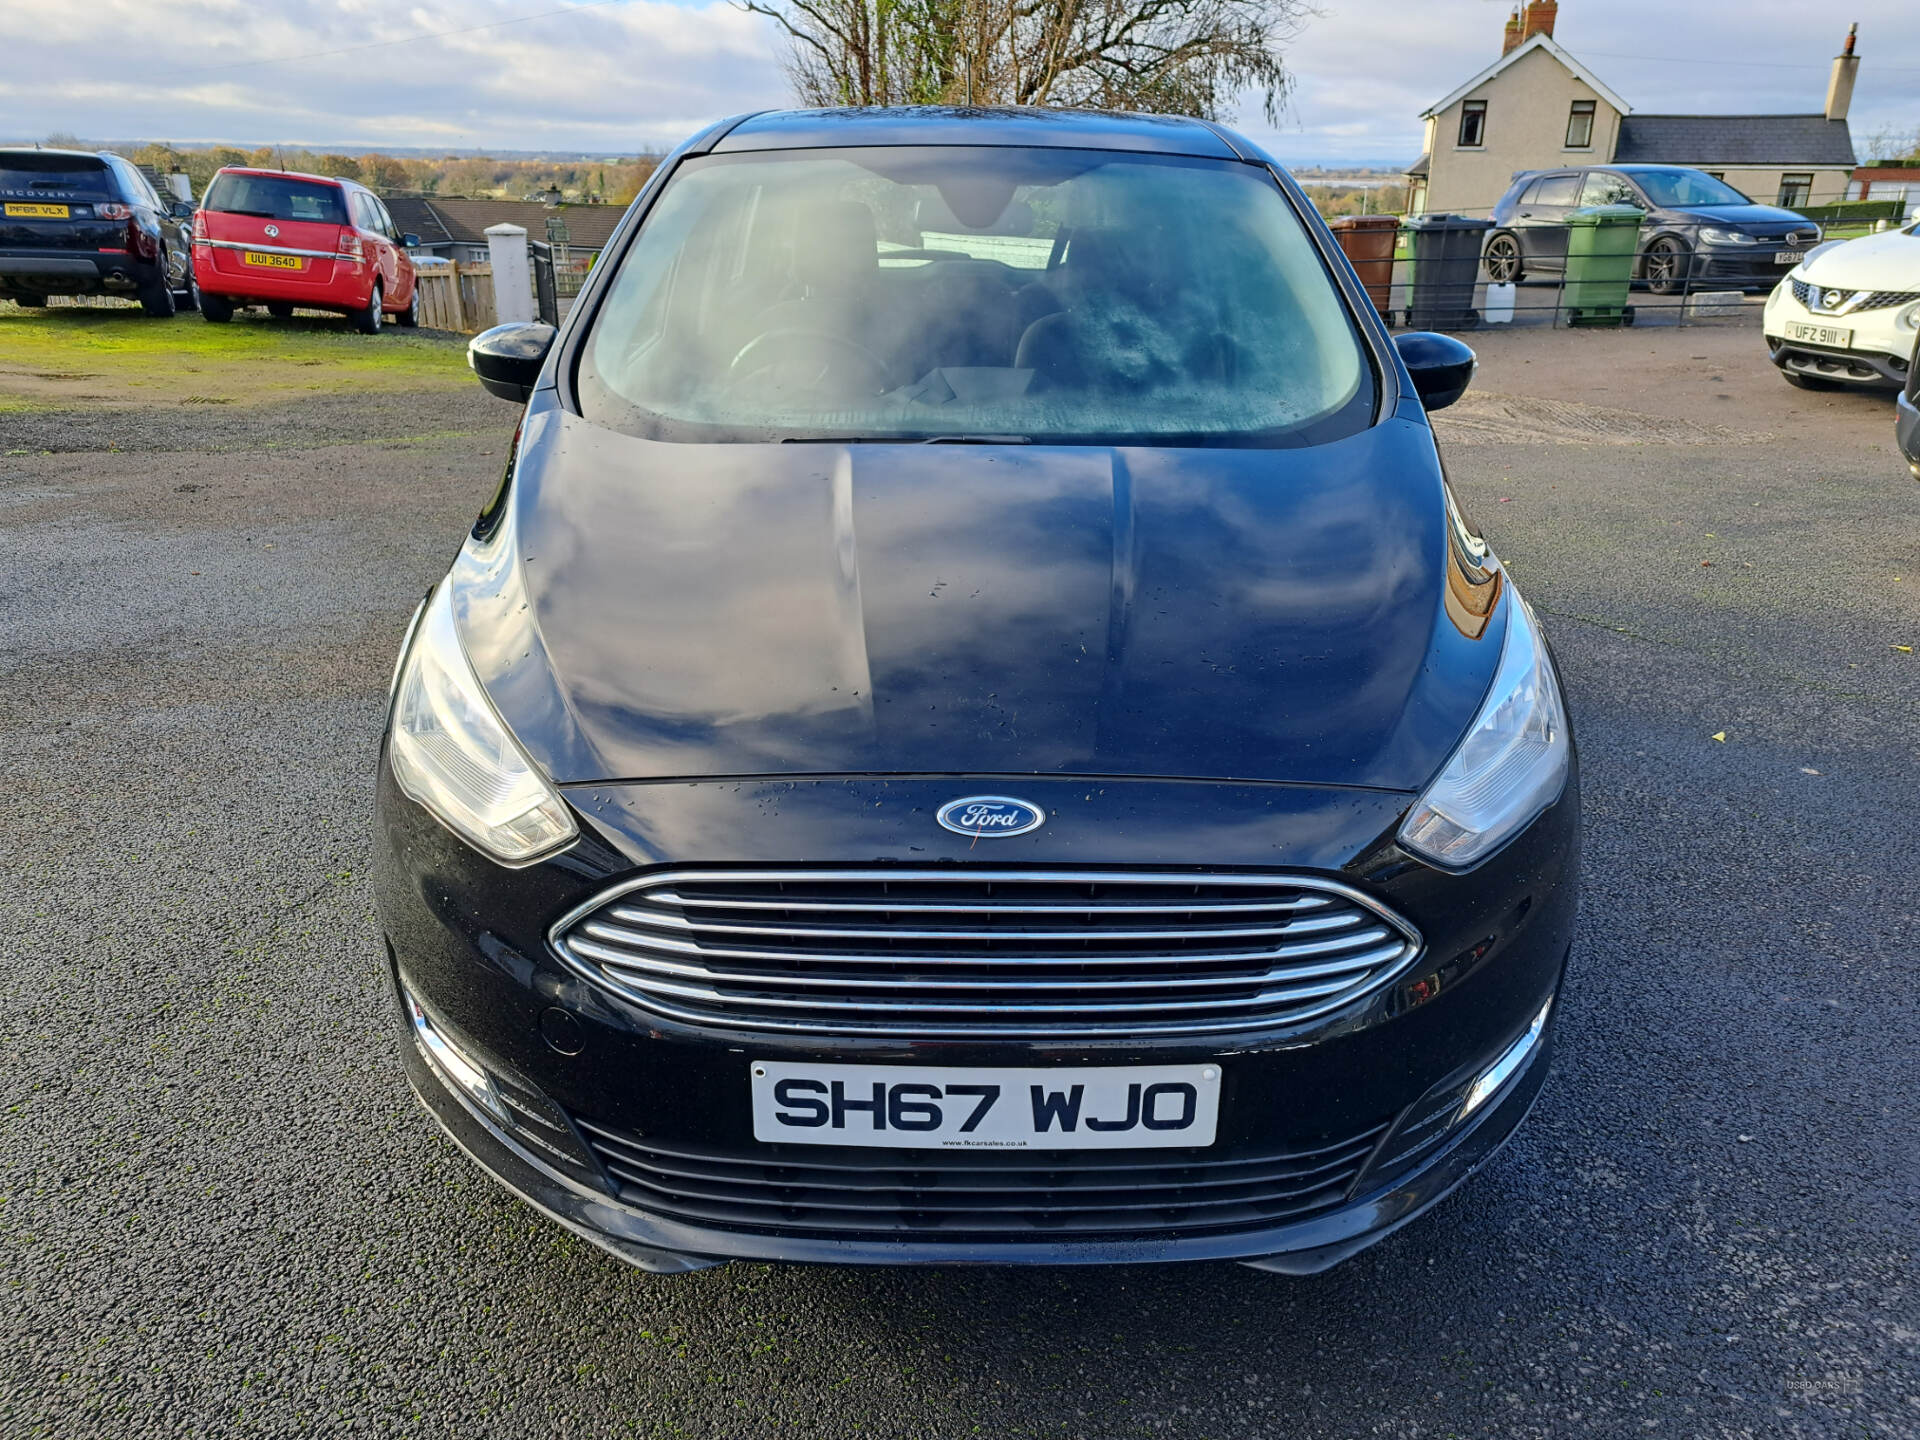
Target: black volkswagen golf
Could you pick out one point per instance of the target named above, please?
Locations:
(1698, 232)
(973, 727)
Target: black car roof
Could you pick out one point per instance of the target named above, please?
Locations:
(965, 125)
(49, 150)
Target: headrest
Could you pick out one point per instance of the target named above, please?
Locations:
(834, 244)
(1108, 261)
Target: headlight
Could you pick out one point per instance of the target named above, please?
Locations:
(1510, 767)
(452, 754)
(1725, 237)
(1909, 318)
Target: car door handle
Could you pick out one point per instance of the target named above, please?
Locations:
(1526, 214)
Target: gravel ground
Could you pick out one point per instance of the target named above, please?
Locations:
(221, 1214)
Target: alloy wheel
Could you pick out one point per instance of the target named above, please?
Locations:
(1503, 260)
(1663, 267)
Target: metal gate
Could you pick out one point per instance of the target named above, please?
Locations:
(546, 294)
(556, 278)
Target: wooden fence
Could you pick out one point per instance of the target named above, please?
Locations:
(457, 297)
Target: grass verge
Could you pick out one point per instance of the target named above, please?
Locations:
(97, 356)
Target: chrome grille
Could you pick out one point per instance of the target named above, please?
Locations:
(978, 952)
(1882, 299)
(979, 1194)
(1850, 301)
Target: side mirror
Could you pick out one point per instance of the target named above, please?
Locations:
(508, 358)
(412, 242)
(181, 209)
(1440, 365)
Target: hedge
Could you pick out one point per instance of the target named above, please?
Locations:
(1853, 211)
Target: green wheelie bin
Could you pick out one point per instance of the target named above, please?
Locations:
(1602, 241)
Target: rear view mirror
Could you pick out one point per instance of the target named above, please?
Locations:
(1440, 366)
(508, 358)
(412, 242)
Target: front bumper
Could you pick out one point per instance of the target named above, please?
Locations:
(1748, 267)
(1878, 356)
(1906, 429)
(469, 940)
(665, 1246)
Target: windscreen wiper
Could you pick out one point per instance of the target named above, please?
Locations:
(906, 440)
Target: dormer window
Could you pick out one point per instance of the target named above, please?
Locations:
(1473, 124)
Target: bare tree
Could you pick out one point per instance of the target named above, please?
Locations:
(1186, 57)
(1891, 142)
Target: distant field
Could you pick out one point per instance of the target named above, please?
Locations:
(117, 357)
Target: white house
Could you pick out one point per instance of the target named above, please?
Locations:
(1537, 108)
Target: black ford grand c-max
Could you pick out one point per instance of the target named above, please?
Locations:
(973, 728)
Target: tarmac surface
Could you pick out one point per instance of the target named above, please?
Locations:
(222, 1214)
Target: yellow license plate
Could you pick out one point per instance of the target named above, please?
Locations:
(16, 211)
(276, 262)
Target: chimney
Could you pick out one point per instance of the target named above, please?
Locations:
(1539, 19)
(1513, 31)
(1846, 66)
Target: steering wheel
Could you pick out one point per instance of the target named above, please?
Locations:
(809, 362)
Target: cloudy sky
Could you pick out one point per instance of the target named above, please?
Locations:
(626, 75)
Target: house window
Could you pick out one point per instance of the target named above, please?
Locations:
(1794, 189)
(1580, 125)
(1473, 124)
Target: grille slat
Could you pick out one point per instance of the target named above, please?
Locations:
(974, 1163)
(627, 915)
(1144, 1005)
(957, 907)
(980, 1193)
(625, 942)
(748, 949)
(963, 1190)
(936, 1202)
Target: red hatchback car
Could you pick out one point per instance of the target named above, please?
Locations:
(274, 238)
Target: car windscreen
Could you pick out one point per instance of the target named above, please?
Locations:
(990, 293)
(30, 173)
(1680, 189)
(275, 197)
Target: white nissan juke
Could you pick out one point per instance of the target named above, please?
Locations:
(1848, 313)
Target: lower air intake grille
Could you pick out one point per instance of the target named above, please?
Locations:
(979, 1196)
(973, 952)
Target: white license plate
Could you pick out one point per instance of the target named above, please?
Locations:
(1820, 335)
(1788, 257)
(1137, 1107)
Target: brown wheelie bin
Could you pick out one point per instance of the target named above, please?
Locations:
(1367, 241)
